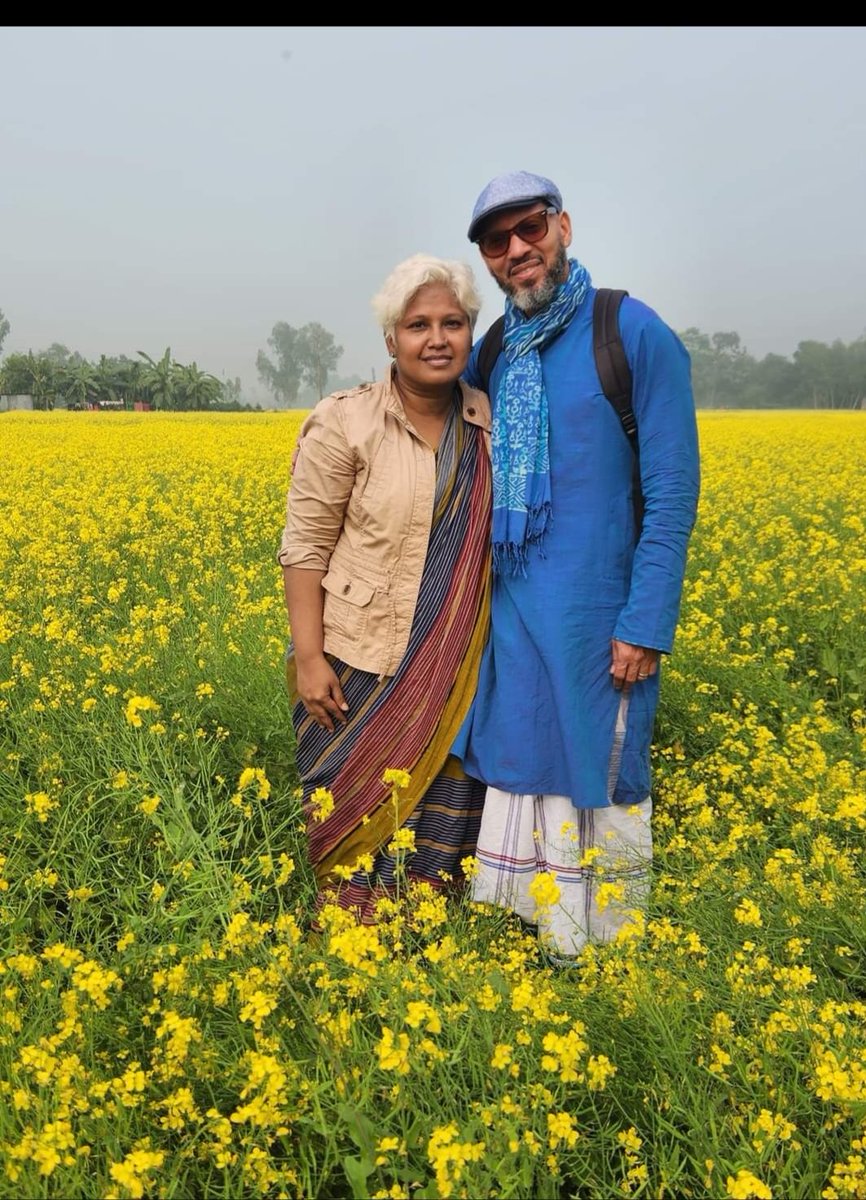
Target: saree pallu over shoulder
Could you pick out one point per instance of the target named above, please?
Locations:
(408, 721)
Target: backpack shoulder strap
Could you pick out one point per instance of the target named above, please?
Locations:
(489, 352)
(610, 360)
(615, 375)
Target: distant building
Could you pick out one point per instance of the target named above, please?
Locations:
(11, 403)
(105, 405)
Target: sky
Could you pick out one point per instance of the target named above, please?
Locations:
(188, 187)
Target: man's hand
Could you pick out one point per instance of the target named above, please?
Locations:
(631, 664)
(320, 692)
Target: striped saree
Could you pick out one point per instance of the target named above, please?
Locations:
(409, 720)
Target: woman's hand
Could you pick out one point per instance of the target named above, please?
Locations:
(320, 692)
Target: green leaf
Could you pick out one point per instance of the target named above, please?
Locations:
(830, 661)
(361, 1130)
(357, 1170)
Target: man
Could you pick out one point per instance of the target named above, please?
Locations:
(584, 602)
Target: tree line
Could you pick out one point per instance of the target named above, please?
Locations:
(725, 375)
(299, 369)
(58, 377)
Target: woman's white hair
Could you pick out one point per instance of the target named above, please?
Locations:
(401, 286)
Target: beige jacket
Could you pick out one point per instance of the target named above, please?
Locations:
(360, 508)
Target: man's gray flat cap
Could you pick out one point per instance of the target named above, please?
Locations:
(512, 190)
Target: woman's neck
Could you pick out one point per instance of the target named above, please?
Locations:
(432, 401)
(427, 409)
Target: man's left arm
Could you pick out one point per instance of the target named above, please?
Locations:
(670, 479)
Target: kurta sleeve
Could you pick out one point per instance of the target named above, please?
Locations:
(670, 479)
(322, 483)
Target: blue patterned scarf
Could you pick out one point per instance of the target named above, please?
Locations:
(521, 459)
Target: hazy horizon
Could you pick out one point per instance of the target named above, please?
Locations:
(190, 187)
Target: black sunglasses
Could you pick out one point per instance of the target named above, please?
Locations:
(531, 229)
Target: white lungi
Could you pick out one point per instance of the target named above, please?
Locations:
(523, 836)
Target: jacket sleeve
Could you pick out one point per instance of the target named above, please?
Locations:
(670, 478)
(322, 482)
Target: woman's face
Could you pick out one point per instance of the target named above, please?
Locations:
(432, 340)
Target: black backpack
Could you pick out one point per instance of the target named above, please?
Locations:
(611, 364)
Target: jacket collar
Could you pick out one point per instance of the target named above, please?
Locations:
(476, 407)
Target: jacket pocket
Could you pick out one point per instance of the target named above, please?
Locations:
(347, 603)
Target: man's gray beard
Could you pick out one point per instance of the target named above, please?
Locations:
(533, 300)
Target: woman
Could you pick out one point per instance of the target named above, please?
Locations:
(386, 565)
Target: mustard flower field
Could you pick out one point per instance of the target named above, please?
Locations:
(167, 1026)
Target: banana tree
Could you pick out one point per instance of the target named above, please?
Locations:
(160, 379)
(130, 376)
(196, 388)
(79, 381)
(105, 383)
(42, 380)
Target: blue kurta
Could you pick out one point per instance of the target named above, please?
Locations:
(544, 715)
